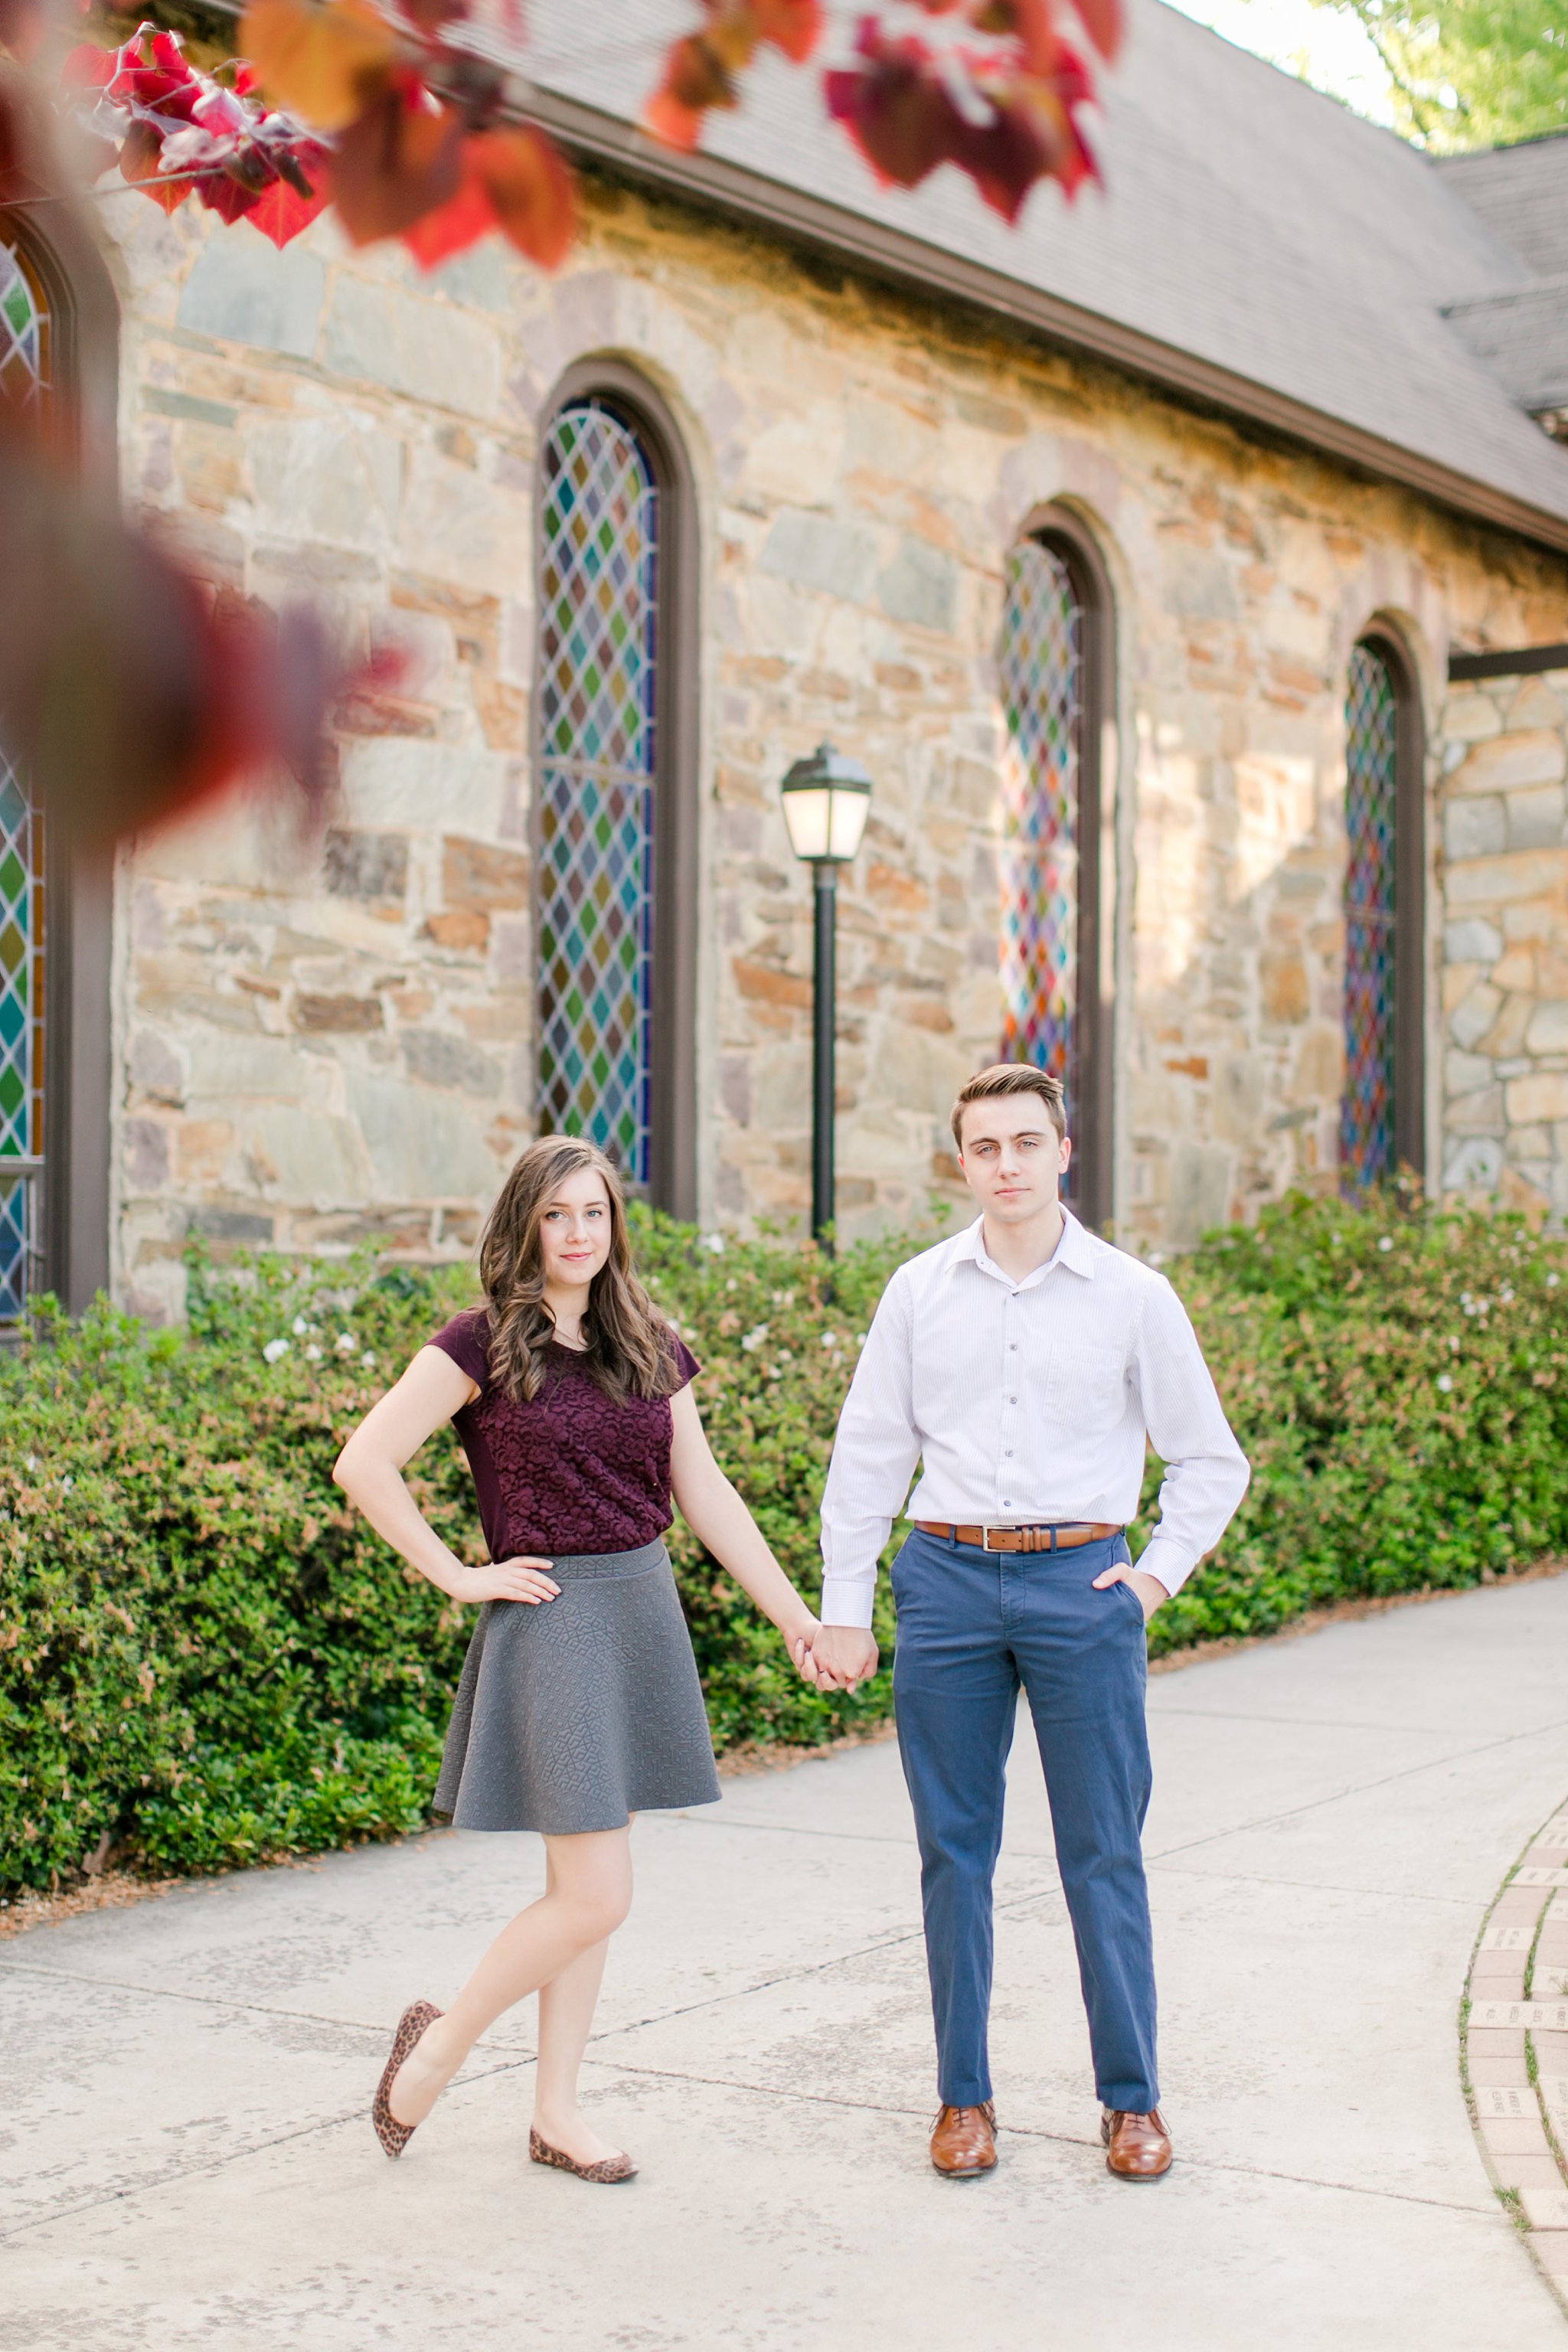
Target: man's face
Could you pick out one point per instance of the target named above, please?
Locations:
(1012, 1157)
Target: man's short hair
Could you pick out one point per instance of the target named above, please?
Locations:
(1012, 1079)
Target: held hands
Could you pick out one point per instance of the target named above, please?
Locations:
(1151, 1593)
(523, 1578)
(834, 1657)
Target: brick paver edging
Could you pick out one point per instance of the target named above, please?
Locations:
(1513, 2046)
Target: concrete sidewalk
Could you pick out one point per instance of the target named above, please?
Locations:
(187, 2159)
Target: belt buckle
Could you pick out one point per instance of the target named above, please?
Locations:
(987, 1528)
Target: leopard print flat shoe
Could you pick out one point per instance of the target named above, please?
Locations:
(608, 2168)
(395, 2136)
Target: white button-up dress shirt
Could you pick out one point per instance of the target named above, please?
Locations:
(1025, 1402)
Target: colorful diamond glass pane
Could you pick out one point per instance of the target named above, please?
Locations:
(1372, 769)
(24, 334)
(1042, 690)
(21, 1035)
(597, 615)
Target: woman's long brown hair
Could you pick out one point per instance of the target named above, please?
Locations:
(630, 1349)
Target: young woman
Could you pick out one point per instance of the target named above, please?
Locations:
(579, 1704)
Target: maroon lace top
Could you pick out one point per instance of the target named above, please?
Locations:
(572, 1470)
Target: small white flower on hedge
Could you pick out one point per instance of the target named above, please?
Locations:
(274, 1349)
(1552, 1282)
(312, 1355)
(1444, 1382)
(300, 1327)
(1386, 1243)
(753, 1340)
(830, 1338)
(368, 1358)
(714, 1242)
(345, 1343)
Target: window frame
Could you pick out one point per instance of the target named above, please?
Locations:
(1092, 1115)
(672, 1116)
(1409, 1145)
(80, 411)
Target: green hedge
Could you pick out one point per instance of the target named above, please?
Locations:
(206, 1659)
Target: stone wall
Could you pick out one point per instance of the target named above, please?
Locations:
(323, 1041)
(1505, 943)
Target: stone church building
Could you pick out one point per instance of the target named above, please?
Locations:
(1188, 569)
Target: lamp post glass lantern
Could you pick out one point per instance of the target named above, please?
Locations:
(826, 799)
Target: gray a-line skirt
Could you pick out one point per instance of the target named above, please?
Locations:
(575, 1712)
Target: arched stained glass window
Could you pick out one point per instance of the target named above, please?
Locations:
(1367, 1138)
(598, 663)
(23, 380)
(1042, 705)
(24, 332)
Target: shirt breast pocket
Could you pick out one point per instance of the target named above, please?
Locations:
(1087, 1382)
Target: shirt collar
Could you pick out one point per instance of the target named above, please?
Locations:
(1073, 1250)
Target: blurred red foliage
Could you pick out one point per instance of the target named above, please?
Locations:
(127, 688)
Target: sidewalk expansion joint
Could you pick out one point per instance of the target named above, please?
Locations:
(1362, 1788)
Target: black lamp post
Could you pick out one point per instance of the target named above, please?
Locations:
(826, 799)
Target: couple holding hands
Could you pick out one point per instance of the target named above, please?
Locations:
(1023, 1365)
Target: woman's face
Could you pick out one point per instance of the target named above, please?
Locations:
(574, 1230)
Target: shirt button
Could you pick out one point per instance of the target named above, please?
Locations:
(1012, 1400)
(1012, 1347)
(1009, 1453)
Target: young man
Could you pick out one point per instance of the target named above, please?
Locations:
(1025, 1363)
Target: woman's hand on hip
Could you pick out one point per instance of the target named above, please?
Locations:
(523, 1578)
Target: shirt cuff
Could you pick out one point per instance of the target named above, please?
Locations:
(847, 1600)
(1166, 1562)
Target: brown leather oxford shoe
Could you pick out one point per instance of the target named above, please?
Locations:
(1137, 2148)
(964, 2142)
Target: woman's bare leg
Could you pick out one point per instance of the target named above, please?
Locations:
(588, 1892)
(566, 2006)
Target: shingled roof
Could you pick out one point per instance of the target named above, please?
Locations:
(1521, 193)
(1257, 247)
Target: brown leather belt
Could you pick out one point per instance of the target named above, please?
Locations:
(1066, 1538)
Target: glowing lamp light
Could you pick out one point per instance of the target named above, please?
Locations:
(826, 799)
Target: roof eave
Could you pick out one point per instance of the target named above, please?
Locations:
(611, 141)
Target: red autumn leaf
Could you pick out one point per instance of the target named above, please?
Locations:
(128, 691)
(88, 68)
(399, 161)
(1021, 143)
(1033, 24)
(1005, 117)
(1105, 22)
(700, 69)
(792, 26)
(695, 78)
(281, 211)
(1028, 24)
(529, 184)
(453, 226)
(22, 24)
(325, 64)
(894, 107)
(431, 14)
(139, 161)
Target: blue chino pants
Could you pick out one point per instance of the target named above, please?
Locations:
(972, 1626)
